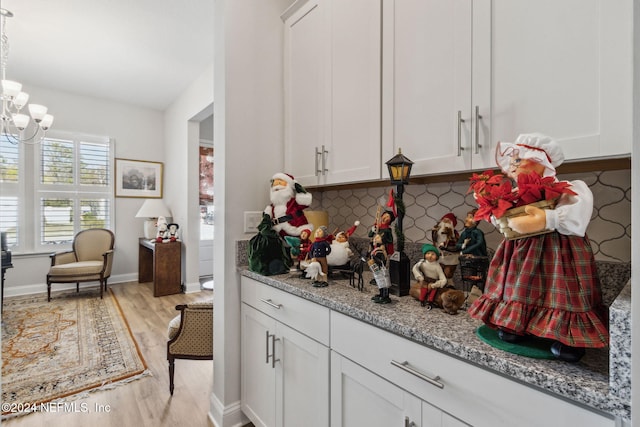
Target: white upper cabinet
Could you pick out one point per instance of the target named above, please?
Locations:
(427, 83)
(461, 75)
(563, 68)
(445, 80)
(332, 91)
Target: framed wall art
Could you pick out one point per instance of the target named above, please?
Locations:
(138, 178)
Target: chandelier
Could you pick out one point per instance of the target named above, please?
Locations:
(16, 126)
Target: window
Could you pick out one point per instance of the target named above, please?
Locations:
(52, 190)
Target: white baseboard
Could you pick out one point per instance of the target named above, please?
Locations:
(229, 416)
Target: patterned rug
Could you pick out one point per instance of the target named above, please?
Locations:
(57, 350)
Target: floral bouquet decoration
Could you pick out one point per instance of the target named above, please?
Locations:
(498, 198)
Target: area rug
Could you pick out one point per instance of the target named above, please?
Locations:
(55, 351)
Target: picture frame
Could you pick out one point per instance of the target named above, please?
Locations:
(138, 178)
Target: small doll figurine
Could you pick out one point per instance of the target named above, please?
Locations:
(378, 264)
(471, 241)
(545, 285)
(173, 232)
(341, 253)
(383, 227)
(445, 236)
(318, 269)
(299, 246)
(163, 230)
(429, 274)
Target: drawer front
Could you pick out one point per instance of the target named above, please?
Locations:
(304, 316)
(470, 393)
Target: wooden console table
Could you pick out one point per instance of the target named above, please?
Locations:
(160, 263)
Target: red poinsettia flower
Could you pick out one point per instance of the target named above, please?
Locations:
(480, 181)
(495, 194)
(534, 188)
(495, 200)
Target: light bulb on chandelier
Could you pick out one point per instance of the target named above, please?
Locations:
(16, 126)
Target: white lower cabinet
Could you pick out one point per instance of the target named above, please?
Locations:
(285, 373)
(303, 364)
(390, 381)
(362, 398)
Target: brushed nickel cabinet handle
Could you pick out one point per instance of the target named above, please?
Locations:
(271, 303)
(317, 162)
(408, 368)
(460, 122)
(478, 118)
(324, 160)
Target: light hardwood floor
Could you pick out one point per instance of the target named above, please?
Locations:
(145, 402)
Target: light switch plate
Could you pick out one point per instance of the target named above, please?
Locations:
(251, 221)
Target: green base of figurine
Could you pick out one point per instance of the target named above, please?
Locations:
(533, 347)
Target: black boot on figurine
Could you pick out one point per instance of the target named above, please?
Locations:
(567, 353)
(509, 337)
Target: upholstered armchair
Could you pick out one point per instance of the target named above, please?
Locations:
(190, 335)
(89, 260)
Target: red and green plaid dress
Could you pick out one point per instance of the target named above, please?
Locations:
(546, 286)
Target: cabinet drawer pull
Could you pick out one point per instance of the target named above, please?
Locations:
(271, 303)
(478, 118)
(406, 367)
(460, 122)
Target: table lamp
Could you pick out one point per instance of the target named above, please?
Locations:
(152, 209)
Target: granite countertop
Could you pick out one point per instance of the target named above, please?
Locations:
(586, 382)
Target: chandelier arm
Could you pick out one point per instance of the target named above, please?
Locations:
(10, 132)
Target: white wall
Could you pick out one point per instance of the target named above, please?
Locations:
(248, 141)
(138, 134)
(182, 131)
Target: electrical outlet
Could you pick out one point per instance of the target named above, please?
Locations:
(251, 221)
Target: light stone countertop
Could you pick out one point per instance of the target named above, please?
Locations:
(586, 383)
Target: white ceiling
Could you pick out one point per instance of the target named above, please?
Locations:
(141, 52)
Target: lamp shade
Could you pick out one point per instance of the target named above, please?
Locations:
(399, 168)
(153, 208)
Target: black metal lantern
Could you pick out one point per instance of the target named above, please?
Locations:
(399, 268)
(399, 168)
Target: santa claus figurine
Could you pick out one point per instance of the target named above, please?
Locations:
(288, 200)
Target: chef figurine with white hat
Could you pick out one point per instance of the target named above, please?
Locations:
(545, 285)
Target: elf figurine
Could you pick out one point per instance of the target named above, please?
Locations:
(545, 285)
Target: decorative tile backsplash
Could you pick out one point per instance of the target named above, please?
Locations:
(609, 230)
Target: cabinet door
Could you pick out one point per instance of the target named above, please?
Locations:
(560, 68)
(257, 373)
(302, 380)
(427, 83)
(361, 398)
(354, 101)
(305, 91)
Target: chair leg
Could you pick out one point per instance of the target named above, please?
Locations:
(77, 287)
(101, 289)
(171, 371)
(48, 291)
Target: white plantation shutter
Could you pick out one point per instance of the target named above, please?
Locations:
(9, 189)
(69, 190)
